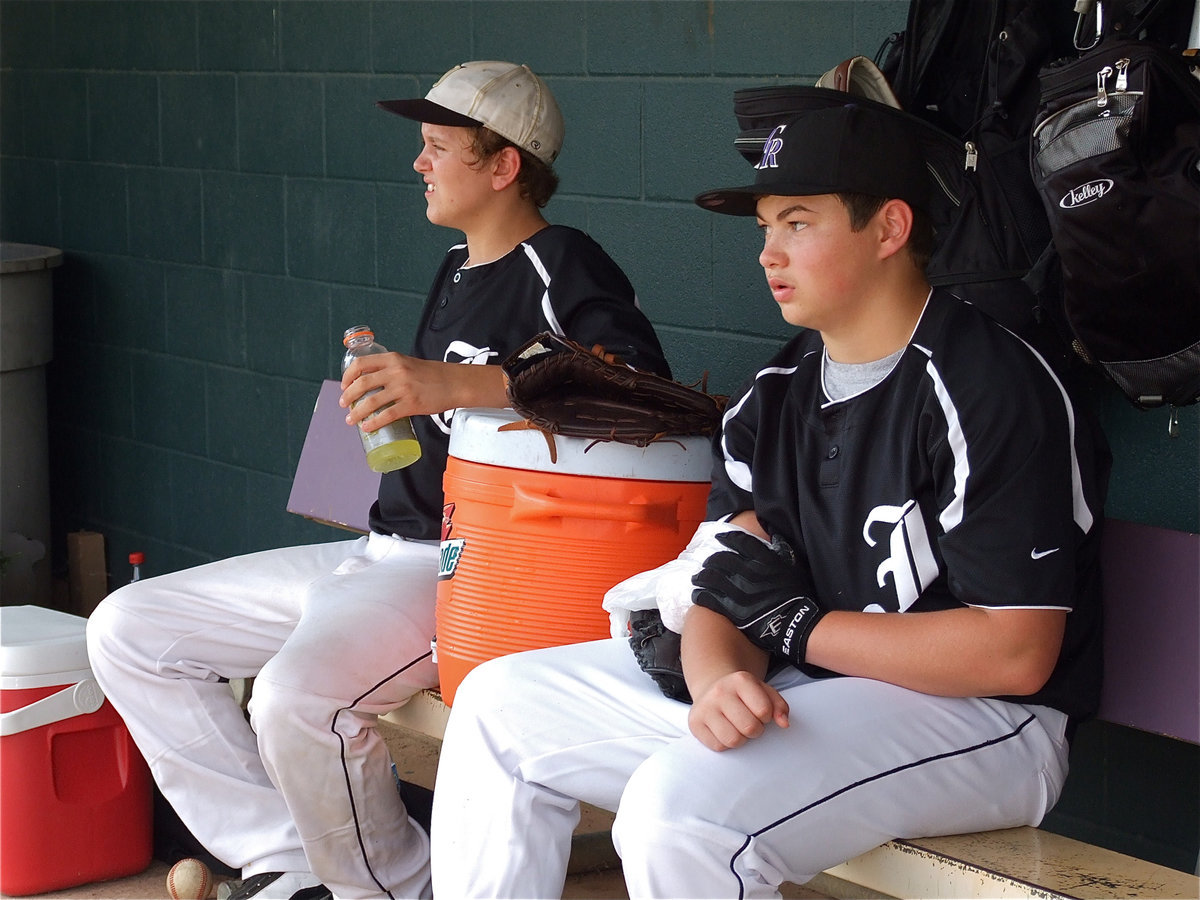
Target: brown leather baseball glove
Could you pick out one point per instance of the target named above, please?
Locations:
(562, 388)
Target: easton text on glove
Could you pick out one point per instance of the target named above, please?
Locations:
(764, 591)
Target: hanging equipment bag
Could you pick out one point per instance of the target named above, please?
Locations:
(1116, 159)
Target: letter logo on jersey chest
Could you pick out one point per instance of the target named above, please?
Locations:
(911, 565)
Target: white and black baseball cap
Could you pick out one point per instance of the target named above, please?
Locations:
(848, 148)
(507, 98)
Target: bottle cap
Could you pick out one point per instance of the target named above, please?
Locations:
(356, 331)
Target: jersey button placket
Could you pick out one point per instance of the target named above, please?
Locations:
(441, 313)
(831, 466)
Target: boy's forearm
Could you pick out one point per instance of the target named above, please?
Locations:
(712, 647)
(968, 652)
(479, 386)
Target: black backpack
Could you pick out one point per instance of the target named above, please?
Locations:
(1116, 158)
(971, 68)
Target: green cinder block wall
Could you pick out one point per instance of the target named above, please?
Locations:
(229, 199)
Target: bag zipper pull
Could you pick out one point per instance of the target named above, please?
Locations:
(972, 157)
(1101, 90)
(1122, 74)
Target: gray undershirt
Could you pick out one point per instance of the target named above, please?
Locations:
(844, 380)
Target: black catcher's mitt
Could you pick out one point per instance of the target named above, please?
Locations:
(656, 649)
(560, 387)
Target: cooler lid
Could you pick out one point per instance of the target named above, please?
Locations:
(36, 642)
(474, 437)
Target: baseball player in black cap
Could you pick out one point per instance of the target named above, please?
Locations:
(901, 623)
(303, 800)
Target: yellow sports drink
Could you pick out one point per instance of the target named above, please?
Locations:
(395, 445)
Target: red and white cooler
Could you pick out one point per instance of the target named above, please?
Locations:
(75, 793)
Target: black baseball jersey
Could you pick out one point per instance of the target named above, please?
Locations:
(967, 476)
(559, 280)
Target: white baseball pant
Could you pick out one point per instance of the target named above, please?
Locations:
(335, 635)
(861, 762)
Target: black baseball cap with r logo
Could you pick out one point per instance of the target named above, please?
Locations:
(848, 148)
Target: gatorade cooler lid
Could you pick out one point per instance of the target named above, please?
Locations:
(475, 437)
(41, 647)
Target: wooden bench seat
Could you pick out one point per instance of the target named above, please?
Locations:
(1152, 683)
(1014, 862)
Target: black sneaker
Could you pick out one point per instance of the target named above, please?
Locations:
(279, 886)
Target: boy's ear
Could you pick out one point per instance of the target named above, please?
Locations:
(506, 166)
(895, 220)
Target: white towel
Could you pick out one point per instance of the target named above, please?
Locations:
(669, 587)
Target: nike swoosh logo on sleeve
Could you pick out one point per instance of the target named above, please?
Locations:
(1038, 554)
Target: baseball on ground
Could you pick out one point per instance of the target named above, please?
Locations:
(189, 879)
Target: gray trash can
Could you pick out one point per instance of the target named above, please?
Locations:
(26, 346)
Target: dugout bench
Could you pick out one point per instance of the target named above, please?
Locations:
(1152, 683)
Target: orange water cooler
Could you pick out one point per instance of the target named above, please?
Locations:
(75, 794)
(530, 545)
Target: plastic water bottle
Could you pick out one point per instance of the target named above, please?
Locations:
(395, 445)
(136, 559)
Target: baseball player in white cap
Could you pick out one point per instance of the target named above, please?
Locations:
(302, 799)
(902, 623)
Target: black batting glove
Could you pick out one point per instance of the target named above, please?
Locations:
(763, 590)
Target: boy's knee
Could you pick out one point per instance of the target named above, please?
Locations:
(110, 633)
(644, 834)
(267, 703)
(100, 627)
(290, 697)
(277, 708)
(486, 686)
(650, 807)
(288, 681)
(665, 813)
